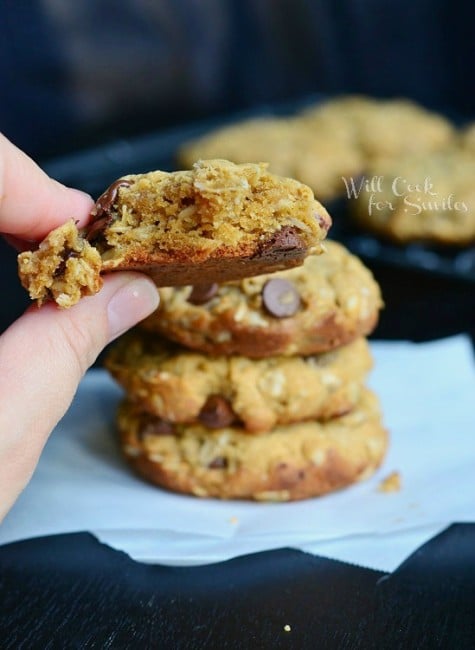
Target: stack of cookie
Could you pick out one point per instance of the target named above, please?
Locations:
(254, 389)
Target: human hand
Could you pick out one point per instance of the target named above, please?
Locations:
(44, 354)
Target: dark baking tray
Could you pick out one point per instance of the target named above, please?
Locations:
(94, 169)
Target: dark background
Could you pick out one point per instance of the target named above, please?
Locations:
(100, 73)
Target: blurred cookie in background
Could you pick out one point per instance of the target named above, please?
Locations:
(382, 127)
(424, 197)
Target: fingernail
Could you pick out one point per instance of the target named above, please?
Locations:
(130, 304)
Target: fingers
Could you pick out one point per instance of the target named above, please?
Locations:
(31, 203)
(43, 356)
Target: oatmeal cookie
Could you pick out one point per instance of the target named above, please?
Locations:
(294, 461)
(181, 386)
(423, 197)
(382, 127)
(219, 221)
(323, 159)
(329, 301)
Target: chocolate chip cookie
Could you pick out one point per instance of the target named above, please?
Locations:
(181, 386)
(219, 221)
(329, 301)
(421, 197)
(294, 461)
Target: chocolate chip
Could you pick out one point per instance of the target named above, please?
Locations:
(201, 293)
(101, 211)
(280, 298)
(284, 241)
(217, 413)
(61, 268)
(156, 427)
(96, 227)
(107, 198)
(220, 462)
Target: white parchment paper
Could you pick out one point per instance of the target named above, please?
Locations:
(428, 397)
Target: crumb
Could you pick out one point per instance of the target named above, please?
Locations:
(233, 520)
(392, 483)
(287, 628)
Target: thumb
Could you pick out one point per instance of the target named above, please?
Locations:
(43, 356)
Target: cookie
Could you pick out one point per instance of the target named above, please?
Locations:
(420, 198)
(294, 461)
(180, 386)
(313, 156)
(219, 221)
(329, 301)
(382, 127)
(399, 126)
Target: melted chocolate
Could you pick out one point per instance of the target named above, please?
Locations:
(101, 215)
